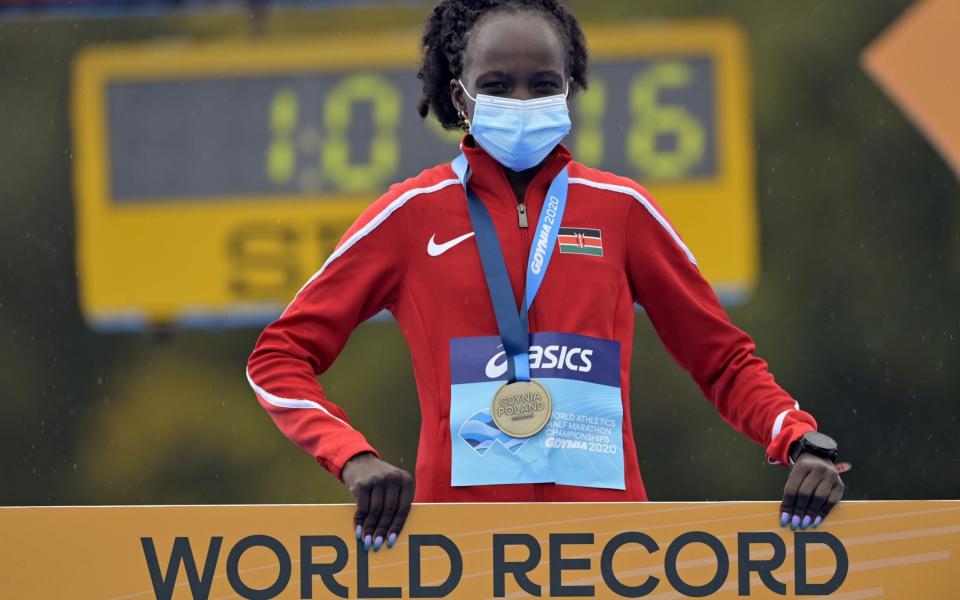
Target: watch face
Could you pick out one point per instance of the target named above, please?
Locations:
(819, 440)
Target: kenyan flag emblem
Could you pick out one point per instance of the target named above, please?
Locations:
(577, 240)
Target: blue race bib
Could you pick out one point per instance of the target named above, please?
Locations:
(582, 444)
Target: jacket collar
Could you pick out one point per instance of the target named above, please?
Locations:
(489, 180)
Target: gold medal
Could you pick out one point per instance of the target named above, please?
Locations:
(522, 408)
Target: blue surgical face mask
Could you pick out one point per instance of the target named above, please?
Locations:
(519, 134)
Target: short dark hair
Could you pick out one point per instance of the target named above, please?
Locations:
(445, 40)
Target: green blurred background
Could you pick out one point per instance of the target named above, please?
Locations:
(857, 308)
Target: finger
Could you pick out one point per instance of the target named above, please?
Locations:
(804, 494)
(373, 515)
(390, 497)
(835, 494)
(817, 501)
(403, 510)
(362, 494)
(794, 480)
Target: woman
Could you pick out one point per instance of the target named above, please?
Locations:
(515, 221)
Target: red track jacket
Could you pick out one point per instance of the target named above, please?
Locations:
(412, 252)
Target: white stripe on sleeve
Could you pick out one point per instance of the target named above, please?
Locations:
(778, 422)
(290, 403)
(646, 204)
(374, 223)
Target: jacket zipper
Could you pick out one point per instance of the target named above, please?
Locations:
(522, 223)
(525, 253)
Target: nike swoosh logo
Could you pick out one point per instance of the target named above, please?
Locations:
(435, 249)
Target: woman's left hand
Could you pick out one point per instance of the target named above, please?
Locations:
(812, 490)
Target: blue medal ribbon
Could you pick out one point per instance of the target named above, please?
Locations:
(513, 324)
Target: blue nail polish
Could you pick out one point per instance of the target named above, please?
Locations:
(795, 522)
(377, 543)
(391, 540)
(817, 521)
(359, 531)
(806, 522)
(784, 519)
(366, 543)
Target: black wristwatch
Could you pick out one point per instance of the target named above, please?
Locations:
(815, 443)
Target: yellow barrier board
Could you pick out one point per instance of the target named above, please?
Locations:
(211, 180)
(905, 549)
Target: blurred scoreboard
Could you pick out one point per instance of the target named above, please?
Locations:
(212, 180)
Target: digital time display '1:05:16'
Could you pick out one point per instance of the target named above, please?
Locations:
(356, 132)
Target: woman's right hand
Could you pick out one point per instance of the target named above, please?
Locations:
(384, 494)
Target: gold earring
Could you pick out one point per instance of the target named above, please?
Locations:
(463, 117)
